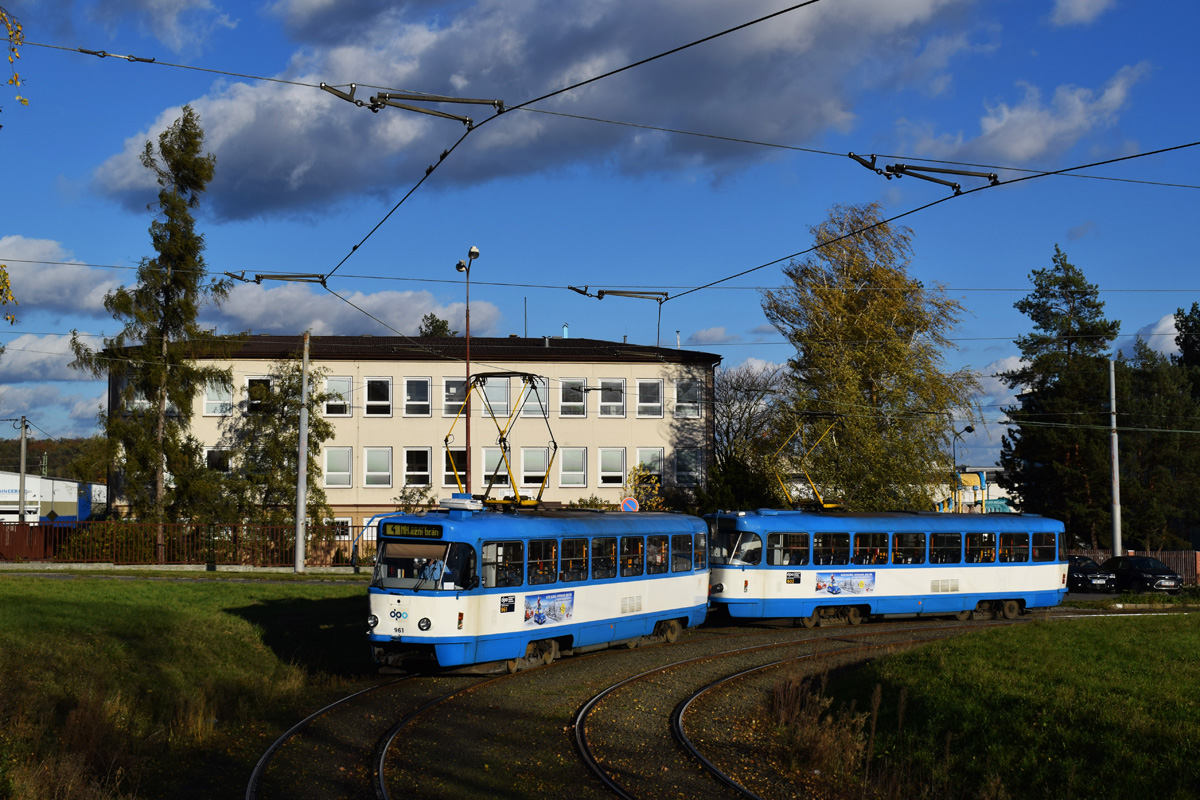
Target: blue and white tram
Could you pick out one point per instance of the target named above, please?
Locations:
(467, 585)
(813, 565)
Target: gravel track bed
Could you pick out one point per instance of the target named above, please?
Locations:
(331, 758)
(514, 737)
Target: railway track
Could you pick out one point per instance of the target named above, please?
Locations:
(548, 730)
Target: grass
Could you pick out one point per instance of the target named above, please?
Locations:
(1103, 707)
(149, 688)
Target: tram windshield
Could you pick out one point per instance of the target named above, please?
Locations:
(736, 548)
(424, 565)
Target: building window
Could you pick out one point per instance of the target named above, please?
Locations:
(217, 459)
(612, 398)
(572, 398)
(687, 467)
(218, 400)
(495, 472)
(534, 462)
(416, 466)
(537, 401)
(377, 466)
(341, 527)
(612, 466)
(338, 391)
(652, 459)
(687, 398)
(572, 465)
(379, 397)
(453, 461)
(417, 397)
(338, 467)
(495, 393)
(258, 390)
(650, 398)
(454, 393)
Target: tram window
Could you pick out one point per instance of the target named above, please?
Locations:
(1014, 547)
(681, 553)
(503, 563)
(1043, 547)
(787, 549)
(831, 548)
(870, 548)
(700, 553)
(945, 548)
(632, 555)
(736, 548)
(604, 558)
(574, 559)
(656, 555)
(412, 565)
(543, 561)
(460, 566)
(908, 548)
(981, 548)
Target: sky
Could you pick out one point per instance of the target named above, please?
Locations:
(709, 162)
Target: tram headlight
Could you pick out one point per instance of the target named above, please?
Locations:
(424, 623)
(372, 621)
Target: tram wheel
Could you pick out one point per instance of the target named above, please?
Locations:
(963, 616)
(547, 652)
(671, 630)
(1011, 609)
(853, 615)
(810, 621)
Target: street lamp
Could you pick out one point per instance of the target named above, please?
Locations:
(954, 458)
(465, 267)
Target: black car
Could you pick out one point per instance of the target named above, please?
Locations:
(1085, 575)
(1143, 574)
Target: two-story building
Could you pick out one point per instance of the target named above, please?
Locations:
(392, 401)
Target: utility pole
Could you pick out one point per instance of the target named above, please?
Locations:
(1117, 548)
(302, 464)
(21, 482)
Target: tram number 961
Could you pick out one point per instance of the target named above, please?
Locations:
(399, 616)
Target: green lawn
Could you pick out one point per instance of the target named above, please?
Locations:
(1098, 707)
(130, 686)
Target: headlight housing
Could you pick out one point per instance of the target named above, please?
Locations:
(372, 621)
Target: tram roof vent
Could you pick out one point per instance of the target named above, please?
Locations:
(462, 502)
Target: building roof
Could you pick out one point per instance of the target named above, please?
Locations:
(434, 348)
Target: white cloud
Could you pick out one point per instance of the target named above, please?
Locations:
(290, 149)
(1159, 335)
(63, 288)
(760, 365)
(182, 25)
(716, 335)
(290, 307)
(39, 358)
(1079, 12)
(1033, 128)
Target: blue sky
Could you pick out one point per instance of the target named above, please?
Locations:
(551, 201)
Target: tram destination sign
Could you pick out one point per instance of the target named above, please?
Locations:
(412, 531)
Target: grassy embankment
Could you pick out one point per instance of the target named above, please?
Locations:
(115, 688)
(1099, 707)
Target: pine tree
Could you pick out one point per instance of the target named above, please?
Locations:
(151, 363)
(870, 343)
(1054, 464)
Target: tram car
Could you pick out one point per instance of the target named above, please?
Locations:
(469, 585)
(817, 565)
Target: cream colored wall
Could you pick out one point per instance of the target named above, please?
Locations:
(399, 431)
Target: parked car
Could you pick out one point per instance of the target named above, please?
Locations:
(1143, 574)
(1085, 575)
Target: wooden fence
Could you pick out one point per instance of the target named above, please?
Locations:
(229, 545)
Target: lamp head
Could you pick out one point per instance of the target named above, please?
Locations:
(461, 266)
(969, 429)
(473, 253)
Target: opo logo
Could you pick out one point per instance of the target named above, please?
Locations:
(399, 614)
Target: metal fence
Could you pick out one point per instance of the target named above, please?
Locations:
(1182, 561)
(229, 545)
